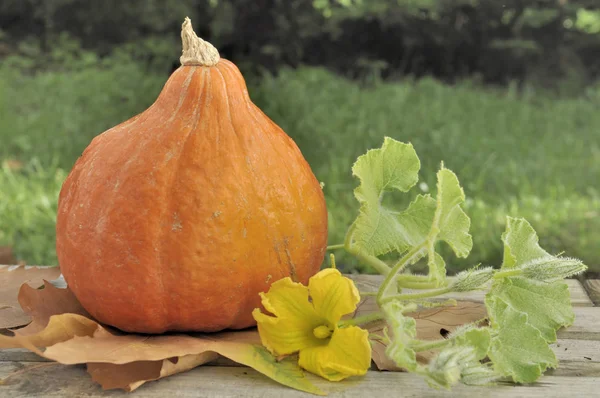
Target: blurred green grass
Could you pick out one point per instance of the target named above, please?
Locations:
(524, 154)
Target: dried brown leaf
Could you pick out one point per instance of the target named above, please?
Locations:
(11, 279)
(103, 346)
(57, 316)
(62, 331)
(132, 375)
(431, 324)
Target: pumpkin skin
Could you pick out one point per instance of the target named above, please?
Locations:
(176, 219)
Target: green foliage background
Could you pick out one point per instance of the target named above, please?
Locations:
(507, 96)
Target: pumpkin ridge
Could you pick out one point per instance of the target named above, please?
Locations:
(109, 136)
(239, 83)
(264, 136)
(169, 199)
(184, 91)
(269, 138)
(246, 303)
(72, 188)
(107, 205)
(226, 88)
(288, 267)
(237, 75)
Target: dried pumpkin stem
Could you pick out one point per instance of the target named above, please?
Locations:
(195, 50)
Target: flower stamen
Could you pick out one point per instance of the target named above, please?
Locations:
(322, 332)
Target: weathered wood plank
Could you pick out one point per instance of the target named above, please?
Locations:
(577, 357)
(586, 351)
(370, 283)
(20, 355)
(46, 380)
(587, 317)
(576, 369)
(579, 295)
(585, 327)
(592, 286)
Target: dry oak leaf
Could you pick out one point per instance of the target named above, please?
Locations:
(431, 324)
(11, 278)
(62, 331)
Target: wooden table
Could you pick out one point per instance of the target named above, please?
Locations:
(577, 348)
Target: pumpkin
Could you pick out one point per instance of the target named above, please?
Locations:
(176, 219)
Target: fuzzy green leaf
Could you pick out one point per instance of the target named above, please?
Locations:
(547, 305)
(452, 222)
(517, 349)
(394, 166)
(480, 374)
(446, 368)
(477, 338)
(379, 230)
(404, 329)
(521, 244)
(460, 361)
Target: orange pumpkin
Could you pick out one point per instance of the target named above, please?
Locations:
(176, 219)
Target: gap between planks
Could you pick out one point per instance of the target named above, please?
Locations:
(592, 286)
(45, 380)
(579, 295)
(587, 317)
(370, 283)
(576, 357)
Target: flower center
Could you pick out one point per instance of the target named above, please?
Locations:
(322, 332)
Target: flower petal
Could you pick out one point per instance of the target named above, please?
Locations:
(347, 354)
(287, 299)
(332, 294)
(285, 336)
(291, 327)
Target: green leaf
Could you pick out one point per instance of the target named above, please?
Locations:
(395, 166)
(480, 374)
(286, 371)
(547, 305)
(521, 244)
(446, 368)
(460, 361)
(417, 219)
(404, 330)
(430, 220)
(477, 338)
(517, 349)
(452, 222)
(379, 229)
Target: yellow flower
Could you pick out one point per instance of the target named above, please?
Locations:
(305, 320)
